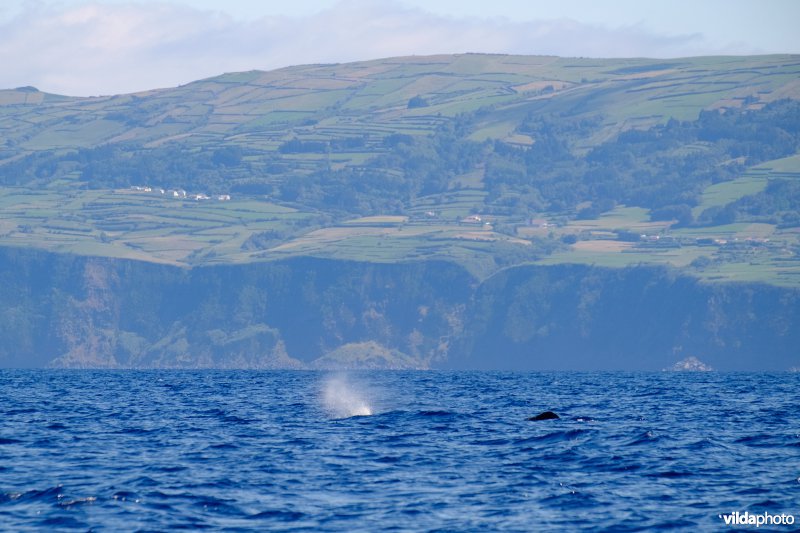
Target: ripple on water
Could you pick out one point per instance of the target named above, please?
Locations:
(404, 450)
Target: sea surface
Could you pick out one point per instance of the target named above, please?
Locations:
(378, 451)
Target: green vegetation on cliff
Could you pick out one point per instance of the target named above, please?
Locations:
(485, 160)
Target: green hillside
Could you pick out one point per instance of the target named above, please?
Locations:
(485, 160)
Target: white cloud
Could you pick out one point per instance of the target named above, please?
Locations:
(99, 48)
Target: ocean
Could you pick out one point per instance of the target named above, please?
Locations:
(403, 451)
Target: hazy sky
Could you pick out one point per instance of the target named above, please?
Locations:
(82, 47)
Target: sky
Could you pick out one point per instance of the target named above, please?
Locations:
(84, 48)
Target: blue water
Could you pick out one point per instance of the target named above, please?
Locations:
(154, 450)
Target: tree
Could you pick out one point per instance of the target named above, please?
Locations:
(417, 101)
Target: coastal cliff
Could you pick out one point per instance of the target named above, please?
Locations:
(84, 312)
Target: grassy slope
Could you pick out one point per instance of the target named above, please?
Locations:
(259, 110)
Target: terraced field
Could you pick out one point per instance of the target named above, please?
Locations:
(151, 226)
(351, 110)
(259, 110)
(735, 252)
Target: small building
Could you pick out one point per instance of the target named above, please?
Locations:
(540, 223)
(224, 197)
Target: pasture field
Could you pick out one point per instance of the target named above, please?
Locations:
(331, 106)
(152, 227)
(720, 194)
(135, 224)
(148, 226)
(732, 252)
(372, 96)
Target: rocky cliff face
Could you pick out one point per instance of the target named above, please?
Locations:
(87, 320)
(584, 318)
(68, 311)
